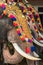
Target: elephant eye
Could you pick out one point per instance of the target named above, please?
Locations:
(9, 23)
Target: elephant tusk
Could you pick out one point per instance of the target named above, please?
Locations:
(41, 41)
(35, 54)
(28, 56)
(40, 34)
(36, 42)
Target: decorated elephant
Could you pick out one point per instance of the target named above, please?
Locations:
(15, 36)
(12, 41)
(17, 9)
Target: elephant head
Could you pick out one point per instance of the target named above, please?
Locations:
(9, 34)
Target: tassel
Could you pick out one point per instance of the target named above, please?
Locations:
(15, 24)
(3, 6)
(33, 48)
(27, 50)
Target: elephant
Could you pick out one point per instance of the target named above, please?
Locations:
(8, 35)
